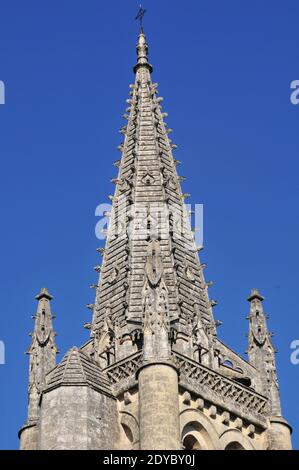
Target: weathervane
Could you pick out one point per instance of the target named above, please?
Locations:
(140, 16)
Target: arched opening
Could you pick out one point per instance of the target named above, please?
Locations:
(244, 381)
(233, 439)
(234, 446)
(191, 443)
(129, 435)
(228, 363)
(196, 437)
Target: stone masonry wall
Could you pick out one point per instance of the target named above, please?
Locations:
(77, 417)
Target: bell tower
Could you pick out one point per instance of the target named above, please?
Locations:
(154, 373)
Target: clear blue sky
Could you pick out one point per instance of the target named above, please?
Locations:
(224, 69)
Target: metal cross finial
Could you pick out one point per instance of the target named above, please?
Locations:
(140, 16)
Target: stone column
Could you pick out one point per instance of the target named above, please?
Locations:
(28, 436)
(159, 407)
(279, 434)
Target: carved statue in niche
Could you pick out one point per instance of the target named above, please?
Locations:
(155, 305)
(104, 341)
(201, 341)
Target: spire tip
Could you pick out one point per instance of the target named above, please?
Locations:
(255, 294)
(44, 294)
(140, 16)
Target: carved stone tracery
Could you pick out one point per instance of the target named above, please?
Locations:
(155, 305)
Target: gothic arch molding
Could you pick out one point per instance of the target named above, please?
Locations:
(235, 438)
(194, 423)
(130, 428)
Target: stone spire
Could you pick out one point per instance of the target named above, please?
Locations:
(150, 258)
(42, 352)
(261, 351)
(142, 53)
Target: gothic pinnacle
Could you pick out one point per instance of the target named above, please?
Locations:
(142, 54)
(255, 295)
(44, 294)
(261, 350)
(42, 351)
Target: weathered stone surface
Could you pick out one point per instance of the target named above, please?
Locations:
(77, 417)
(158, 408)
(279, 434)
(29, 435)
